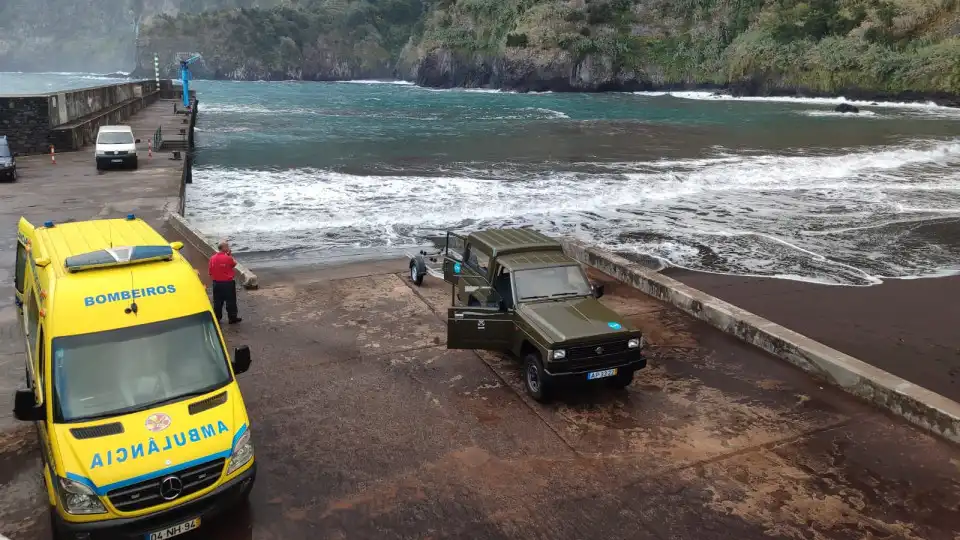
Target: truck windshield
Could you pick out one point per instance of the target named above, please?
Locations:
(553, 282)
(115, 137)
(120, 371)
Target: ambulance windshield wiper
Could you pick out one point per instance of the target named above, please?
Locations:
(150, 405)
(179, 397)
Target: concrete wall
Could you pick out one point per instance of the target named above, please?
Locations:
(75, 105)
(76, 135)
(69, 119)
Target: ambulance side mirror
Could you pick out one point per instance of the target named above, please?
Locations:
(25, 407)
(241, 359)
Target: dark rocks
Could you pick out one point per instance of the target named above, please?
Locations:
(26, 122)
(846, 108)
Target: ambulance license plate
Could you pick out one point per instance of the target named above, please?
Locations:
(176, 530)
(601, 374)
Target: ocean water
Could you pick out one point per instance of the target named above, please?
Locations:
(329, 172)
(41, 83)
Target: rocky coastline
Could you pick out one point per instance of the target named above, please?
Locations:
(447, 70)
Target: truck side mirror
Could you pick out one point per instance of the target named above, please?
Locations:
(25, 407)
(241, 359)
(597, 290)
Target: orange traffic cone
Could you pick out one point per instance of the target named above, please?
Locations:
(53, 155)
(149, 148)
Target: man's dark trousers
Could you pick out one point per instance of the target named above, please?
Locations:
(225, 292)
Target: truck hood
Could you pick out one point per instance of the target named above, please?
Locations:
(580, 319)
(154, 442)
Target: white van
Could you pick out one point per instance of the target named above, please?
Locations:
(116, 146)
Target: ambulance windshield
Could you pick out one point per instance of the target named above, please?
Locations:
(120, 371)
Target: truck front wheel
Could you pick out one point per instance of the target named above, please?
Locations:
(536, 381)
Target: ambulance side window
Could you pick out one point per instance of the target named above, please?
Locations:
(41, 356)
(33, 319)
(21, 267)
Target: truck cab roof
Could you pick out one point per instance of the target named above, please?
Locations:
(499, 242)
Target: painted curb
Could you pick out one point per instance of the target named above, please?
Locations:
(929, 410)
(247, 278)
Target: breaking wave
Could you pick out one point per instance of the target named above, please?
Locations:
(852, 217)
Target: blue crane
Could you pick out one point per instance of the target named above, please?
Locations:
(185, 77)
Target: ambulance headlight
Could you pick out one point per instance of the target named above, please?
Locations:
(242, 452)
(78, 498)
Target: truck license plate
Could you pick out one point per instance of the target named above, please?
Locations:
(116, 161)
(176, 530)
(601, 374)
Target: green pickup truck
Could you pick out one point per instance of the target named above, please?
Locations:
(514, 290)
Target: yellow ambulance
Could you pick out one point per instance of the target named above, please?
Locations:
(142, 427)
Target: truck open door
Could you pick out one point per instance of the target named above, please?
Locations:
(453, 258)
(489, 326)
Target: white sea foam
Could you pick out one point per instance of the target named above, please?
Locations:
(372, 81)
(549, 112)
(861, 114)
(919, 107)
(753, 213)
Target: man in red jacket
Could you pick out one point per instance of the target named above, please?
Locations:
(224, 287)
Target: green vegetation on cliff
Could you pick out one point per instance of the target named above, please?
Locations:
(882, 46)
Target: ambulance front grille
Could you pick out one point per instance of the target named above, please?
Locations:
(154, 492)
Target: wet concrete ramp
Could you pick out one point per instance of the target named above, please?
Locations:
(366, 426)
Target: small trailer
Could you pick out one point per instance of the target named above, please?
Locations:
(449, 248)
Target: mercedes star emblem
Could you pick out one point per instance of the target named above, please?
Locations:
(170, 488)
(599, 350)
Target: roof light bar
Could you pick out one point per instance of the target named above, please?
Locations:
(120, 256)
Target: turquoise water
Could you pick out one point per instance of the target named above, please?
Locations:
(328, 172)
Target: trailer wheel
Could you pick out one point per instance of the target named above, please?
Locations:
(417, 270)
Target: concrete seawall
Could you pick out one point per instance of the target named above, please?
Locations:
(918, 405)
(196, 239)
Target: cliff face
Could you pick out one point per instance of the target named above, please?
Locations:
(863, 48)
(866, 48)
(73, 35)
(318, 40)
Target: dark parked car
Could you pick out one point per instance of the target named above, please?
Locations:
(8, 161)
